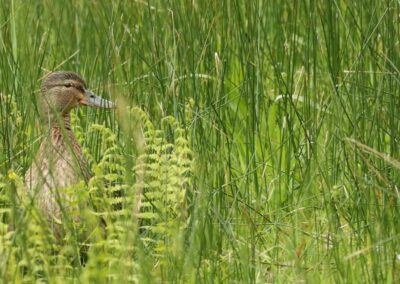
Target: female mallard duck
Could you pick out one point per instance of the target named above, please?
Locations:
(60, 162)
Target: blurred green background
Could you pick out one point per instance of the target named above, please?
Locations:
(290, 110)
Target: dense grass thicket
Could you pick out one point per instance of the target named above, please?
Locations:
(254, 142)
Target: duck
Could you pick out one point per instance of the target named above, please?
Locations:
(60, 162)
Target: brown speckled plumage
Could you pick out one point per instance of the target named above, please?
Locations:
(60, 162)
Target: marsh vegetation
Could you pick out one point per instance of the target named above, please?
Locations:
(254, 141)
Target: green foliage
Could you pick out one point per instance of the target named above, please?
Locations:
(116, 219)
(163, 173)
(264, 146)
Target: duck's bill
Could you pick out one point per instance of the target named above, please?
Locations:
(92, 100)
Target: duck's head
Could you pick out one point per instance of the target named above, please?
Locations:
(64, 90)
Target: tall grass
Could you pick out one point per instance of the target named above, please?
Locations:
(286, 113)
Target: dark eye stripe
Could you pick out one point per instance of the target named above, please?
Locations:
(68, 85)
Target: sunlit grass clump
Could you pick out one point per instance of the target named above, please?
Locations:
(122, 220)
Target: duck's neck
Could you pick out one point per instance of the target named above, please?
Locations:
(62, 144)
(62, 122)
(61, 131)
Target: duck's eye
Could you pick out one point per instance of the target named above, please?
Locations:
(68, 85)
